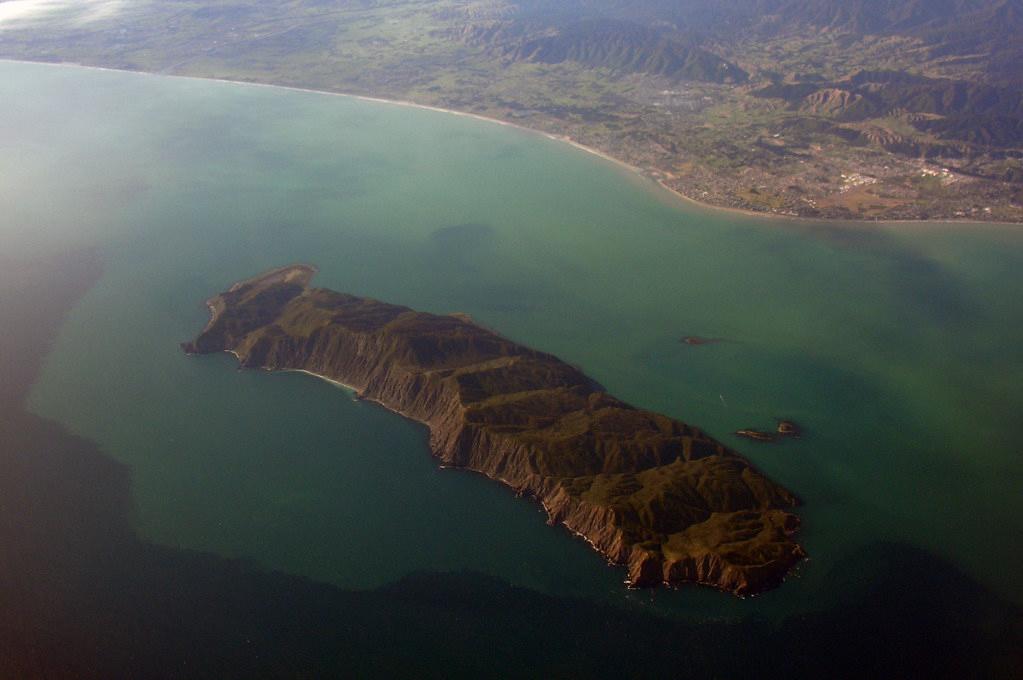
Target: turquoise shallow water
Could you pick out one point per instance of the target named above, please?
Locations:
(897, 348)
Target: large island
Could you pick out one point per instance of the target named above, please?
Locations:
(647, 491)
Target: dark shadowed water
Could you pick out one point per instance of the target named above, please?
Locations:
(161, 489)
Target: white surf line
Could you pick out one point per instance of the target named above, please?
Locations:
(361, 97)
(565, 139)
(336, 383)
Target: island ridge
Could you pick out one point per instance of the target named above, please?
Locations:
(645, 490)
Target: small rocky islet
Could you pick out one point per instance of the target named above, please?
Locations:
(647, 491)
(785, 429)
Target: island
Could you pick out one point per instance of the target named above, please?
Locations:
(785, 429)
(647, 491)
(789, 428)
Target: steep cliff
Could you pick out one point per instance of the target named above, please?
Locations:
(647, 491)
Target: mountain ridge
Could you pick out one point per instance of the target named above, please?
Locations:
(646, 491)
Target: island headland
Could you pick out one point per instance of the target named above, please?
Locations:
(647, 491)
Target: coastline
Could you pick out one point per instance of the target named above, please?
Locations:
(678, 195)
(461, 442)
(335, 383)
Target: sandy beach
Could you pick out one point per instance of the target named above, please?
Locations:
(557, 138)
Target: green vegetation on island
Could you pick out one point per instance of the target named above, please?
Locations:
(647, 491)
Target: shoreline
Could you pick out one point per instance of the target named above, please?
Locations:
(335, 383)
(357, 396)
(678, 195)
(438, 405)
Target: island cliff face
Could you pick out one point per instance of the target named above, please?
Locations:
(647, 491)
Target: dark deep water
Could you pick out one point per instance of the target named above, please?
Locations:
(167, 517)
(82, 596)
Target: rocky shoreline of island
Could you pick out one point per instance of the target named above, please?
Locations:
(648, 492)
